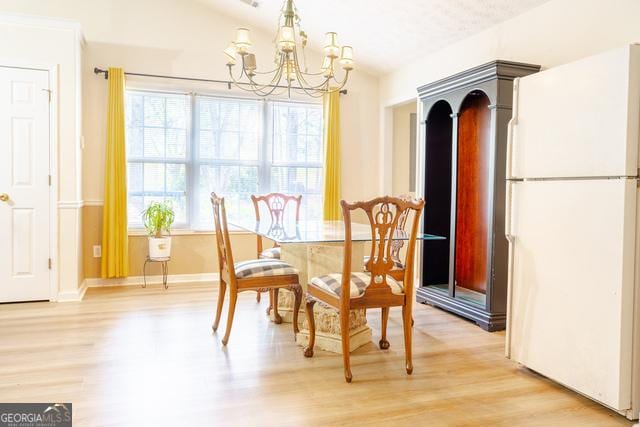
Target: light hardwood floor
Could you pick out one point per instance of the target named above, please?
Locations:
(132, 356)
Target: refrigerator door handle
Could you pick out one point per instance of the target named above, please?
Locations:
(508, 201)
(511, 239)
(510, 128)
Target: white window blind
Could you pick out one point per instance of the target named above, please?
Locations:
(183, 147)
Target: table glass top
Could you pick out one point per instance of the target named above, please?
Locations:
(314, 231)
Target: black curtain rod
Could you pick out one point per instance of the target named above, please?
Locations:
(97, 70)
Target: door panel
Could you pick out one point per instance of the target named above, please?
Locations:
(579, 119)
(572, 285)
(24, 178)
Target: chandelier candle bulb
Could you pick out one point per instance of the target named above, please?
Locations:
(231, 53)
(346, 58)
(331, 48)
(286, 41)
(243, 41)
(327, 67)
(291, 70)
(250, 64)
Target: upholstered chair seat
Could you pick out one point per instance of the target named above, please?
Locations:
(263, 268)
(332, 283)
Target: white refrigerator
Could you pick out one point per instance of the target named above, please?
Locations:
(572, 210)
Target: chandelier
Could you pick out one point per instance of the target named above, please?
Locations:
(291, 73)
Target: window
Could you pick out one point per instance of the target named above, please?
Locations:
(183, 147)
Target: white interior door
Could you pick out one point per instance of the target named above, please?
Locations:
(580, 119)
(24, 185)
(571, 316)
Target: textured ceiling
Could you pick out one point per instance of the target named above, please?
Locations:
(383, 32)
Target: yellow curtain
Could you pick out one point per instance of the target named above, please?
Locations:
(115, 245)
(331, 120)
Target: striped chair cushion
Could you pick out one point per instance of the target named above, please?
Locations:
(396, 264)
(359, 281)
(273, 253)
(262, 268)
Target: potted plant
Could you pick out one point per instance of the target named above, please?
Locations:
(157, 219)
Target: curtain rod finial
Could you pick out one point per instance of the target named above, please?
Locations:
(97, 70)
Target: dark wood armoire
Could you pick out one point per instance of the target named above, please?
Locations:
(464, 136)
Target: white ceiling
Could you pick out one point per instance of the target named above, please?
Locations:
(383, 32)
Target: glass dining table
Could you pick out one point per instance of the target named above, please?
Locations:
(316, 248)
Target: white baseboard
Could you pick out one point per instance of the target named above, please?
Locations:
(151, 280)
(71, 296)
(78, 294)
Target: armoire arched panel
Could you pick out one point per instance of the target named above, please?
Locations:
(437, 192)
(472, 205)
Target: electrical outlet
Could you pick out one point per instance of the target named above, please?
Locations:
(97, 251)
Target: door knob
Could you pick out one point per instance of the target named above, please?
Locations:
(4, 197)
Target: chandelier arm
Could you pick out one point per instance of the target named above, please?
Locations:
(274, 82)
(317, 94)
(240, 84)
(314, 92)
(278, 67)
(262, 90)
(300, 74)
(257, 87)
(342, 83)
(303, 82)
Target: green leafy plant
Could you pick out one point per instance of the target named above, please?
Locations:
(158, 217)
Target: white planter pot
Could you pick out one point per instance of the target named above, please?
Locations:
(159, 247)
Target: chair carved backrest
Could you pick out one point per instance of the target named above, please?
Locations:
(384, 214)
(398, 244)
(276, 204)
(223, 242)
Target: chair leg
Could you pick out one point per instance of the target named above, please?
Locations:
(344, 331)
(270, 306)
(258, 296)
(221, 291)
(297, 293)
(233, 297)
(384, 344)
(308, 350)
(406, 324)
(276, 316)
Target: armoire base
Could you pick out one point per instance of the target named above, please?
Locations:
(488, 321)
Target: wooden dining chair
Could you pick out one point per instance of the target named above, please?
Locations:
(373, 289)
(276, 204)
(254, 275)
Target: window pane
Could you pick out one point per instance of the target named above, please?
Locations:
(228, 154)
(154, 111)
(134, 210)
(229, 129)
(135, 177)
(235, 183)
(176, 143)
(297, 133)
(157, 129)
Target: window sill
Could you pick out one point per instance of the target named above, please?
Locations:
(184, 232)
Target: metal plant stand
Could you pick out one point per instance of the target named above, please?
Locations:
(165, 270)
